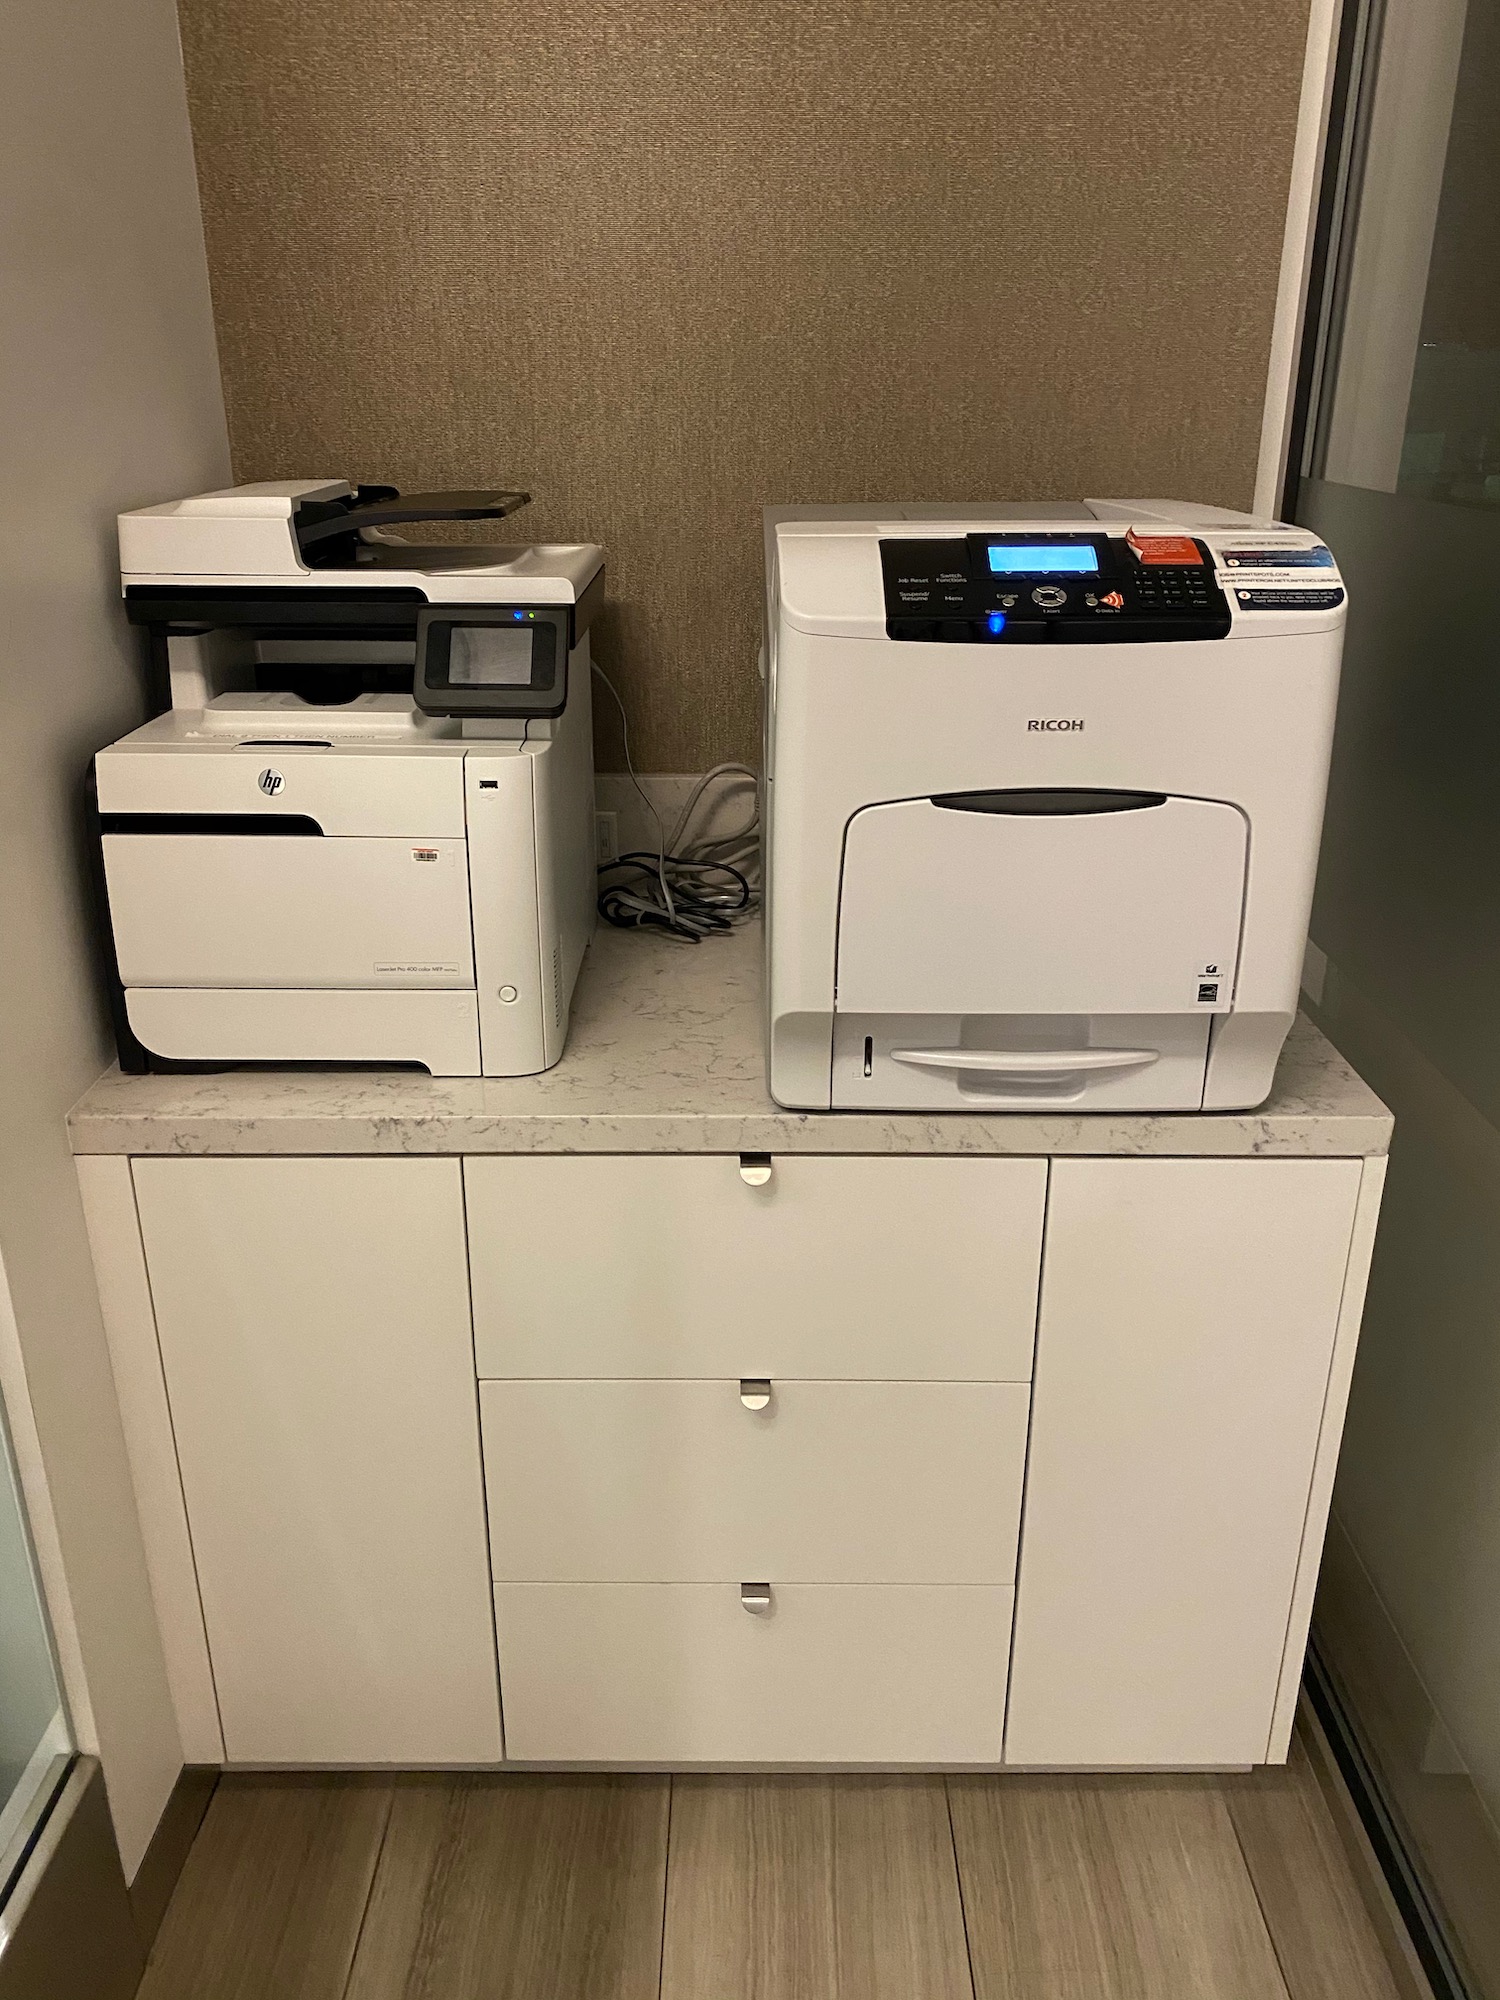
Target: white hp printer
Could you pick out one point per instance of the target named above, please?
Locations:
(361, 831)
(1044, 789)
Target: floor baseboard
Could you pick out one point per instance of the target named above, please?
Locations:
(176, 1830)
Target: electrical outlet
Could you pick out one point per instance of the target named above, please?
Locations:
(606, 836)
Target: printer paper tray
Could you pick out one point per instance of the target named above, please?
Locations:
(231, 910)
(914, 1062)
(438, 1030)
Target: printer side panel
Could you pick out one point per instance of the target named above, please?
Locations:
(566, 873)
(508, 970)
(1283, 734)
(803, 841)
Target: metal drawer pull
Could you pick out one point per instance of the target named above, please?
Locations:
(755, 1169)
(756, 1597)
(755, 1392)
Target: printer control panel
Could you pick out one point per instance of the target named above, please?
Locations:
(1032, 589)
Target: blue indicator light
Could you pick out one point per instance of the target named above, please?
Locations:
(518, 614)
(1043, 559)
(996, 623)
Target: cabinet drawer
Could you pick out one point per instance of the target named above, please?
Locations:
(669, 1673)
(678, 1482)
(837, 1268)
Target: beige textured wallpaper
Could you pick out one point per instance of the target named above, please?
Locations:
(663, 262)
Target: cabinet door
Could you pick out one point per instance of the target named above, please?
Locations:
(1184, 1340)
(314, 1326)
(832, 1269)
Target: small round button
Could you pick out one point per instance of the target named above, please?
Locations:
(508, 994)
(1050, 596)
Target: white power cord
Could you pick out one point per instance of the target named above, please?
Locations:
(694, 886)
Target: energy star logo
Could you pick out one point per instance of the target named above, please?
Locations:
(270, 782)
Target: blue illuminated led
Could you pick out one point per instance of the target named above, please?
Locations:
(518, 614)
(996, 623)
(1043, 559)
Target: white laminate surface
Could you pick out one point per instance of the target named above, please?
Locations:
(665, 1054)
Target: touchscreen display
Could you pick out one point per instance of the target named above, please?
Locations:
(1043, 559)
(489, 656)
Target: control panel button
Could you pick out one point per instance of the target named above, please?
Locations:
(1050, 596)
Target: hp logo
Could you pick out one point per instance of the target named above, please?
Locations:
(270, 783)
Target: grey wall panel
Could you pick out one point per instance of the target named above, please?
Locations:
(664, 261)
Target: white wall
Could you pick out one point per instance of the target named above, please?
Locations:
(109, 398)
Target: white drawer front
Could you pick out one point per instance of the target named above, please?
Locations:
(653, 1265)
(680, 1482)
(681, 1673)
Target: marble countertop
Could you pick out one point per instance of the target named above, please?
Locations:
(665, 1055)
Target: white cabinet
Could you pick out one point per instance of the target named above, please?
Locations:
(682, 1673)
(680, 1482)
(642, 1265)
(313, 1318)
(689, 1379)
(1184, 1347)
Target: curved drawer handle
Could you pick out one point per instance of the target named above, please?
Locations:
(755, 1392)
(1027, 1063)
(756, 1597)
(755, 1169)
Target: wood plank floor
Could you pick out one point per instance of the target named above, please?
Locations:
(770, 1888)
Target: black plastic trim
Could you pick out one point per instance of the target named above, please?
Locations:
(294, 825)
(582, 614)
(1049, 802)
(182, 607)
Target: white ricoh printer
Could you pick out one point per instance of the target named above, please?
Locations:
(361, 830)
(1044, 788)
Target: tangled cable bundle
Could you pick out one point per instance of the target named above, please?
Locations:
(693, 885)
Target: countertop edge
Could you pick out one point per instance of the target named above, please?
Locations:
(1210, 1135)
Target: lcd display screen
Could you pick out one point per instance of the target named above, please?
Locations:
(489, 656)
(1043, 559)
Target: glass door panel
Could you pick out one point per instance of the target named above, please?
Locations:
(34, 1737)
(1401, 475)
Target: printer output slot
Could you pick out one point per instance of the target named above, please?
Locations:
(297, 825)
(1049, 801)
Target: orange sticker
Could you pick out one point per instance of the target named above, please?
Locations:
(1177, 550)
